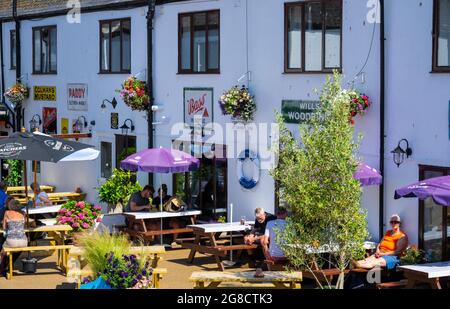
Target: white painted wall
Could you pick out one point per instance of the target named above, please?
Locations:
(416, 101)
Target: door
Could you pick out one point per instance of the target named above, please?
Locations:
(434, 220)
(125, 146)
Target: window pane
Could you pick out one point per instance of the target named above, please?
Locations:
(333, 17)
(200, 42)
(186, 43)
(126, 45)
(313, 37)
(104, 51)
(13, 49)
(115, 46)
(53, 50)
(45, 50)
(37, 50)
(213, 41)
(106, 159)
(294, 37)
(444, 33)
(432, 219)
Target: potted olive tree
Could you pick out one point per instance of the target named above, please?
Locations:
(117, 190)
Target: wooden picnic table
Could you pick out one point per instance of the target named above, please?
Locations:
(44, 210)
(56, 197)
(211, 232)
(140, 217)
(280, 279)
(45, 188)
(430, 273)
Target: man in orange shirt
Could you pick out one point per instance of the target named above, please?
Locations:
(388, 252)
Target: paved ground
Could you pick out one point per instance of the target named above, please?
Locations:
(49, 277)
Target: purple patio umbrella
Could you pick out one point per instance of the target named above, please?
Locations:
(438, 188)
(160, 160)
(367, 175)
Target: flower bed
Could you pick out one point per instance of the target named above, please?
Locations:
(239, 103)
(134, 93)
(17, 93)
(79, 215)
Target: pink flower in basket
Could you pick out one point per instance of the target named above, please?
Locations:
(63, 210)
(97, 207)
(75, 225)
(99, 219)
(85, 225)
(69, 213)
(81, 216)
(81, 205)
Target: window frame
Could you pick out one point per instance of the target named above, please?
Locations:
(12, 43)
(191, 26)
(435, 67)
(40, 72)
(302, 70)
(110, 21)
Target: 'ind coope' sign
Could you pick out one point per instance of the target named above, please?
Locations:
(298, 111)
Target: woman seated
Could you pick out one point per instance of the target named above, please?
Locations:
(388, 252)
(14, 225)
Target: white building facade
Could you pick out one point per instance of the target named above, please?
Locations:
(257, 43)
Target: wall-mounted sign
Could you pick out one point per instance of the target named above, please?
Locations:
(49, 122)
(44, 93)
(64, 126)
(115, 121)
(77, 97)
(198, 106)
(298, 111)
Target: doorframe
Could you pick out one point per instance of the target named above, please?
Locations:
(445, 171)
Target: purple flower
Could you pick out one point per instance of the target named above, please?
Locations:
(81, 216)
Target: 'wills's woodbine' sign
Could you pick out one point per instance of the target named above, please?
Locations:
(297, 111)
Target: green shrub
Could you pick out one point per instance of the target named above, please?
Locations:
(15, 173)
(118, 187)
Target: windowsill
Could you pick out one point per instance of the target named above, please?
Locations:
(39, 73)
(311, 72)
(198, 73)
(108, 73)
(440, 71)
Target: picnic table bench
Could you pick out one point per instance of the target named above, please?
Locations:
(12, 190)
(279, 279)
(211, 232)
(430, 273)
(140, 217)
(55, 197)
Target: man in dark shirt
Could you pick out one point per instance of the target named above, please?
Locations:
(262, 217)
(140, 201)
(165, 197)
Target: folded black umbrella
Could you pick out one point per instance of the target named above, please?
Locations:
(38, 147)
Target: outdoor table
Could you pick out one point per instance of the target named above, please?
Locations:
(211, 232)
(429, 273)
(140, 218)
(278, 278)
(44, 210)
(22, 189)
(56, 197)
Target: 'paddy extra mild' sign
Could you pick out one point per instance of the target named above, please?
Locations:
(77, 97)
(298, 111)
(44, 93)
(198, 106)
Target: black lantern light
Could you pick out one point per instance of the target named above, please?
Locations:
(399, 152)
(113, 103)
(35, 122)
(125, 127)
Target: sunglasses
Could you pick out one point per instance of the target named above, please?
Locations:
(394, 222)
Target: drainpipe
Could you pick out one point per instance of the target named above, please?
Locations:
(382, 119)
(2, 81)
(150, 18)
(18, 109)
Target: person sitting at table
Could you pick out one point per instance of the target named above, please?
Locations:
(41, 196)
(3, 197)
(270, 243)
(165, 197)
(255, 235)
(389, 250)
(140, 201)
(14, 226)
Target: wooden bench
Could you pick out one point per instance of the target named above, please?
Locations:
(393, 285)
(134, 233)
(279, 279)
(78, 274)
(62, 259)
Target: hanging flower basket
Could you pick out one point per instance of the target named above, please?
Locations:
(17, 94)
(134, 93)
(239, 103)
(359, 102)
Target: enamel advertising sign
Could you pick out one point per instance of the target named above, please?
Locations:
(198, 106)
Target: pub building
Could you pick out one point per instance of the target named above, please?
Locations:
(74, 58)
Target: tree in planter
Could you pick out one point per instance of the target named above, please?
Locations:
(15, 173)
(118, 188)
(316, 180)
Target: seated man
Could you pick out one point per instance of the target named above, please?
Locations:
(140, 201)
(388, 252)
(165, 197)
(269, 241)
(262, 217)
(41, 196)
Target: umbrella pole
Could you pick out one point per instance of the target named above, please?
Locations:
(161, 205)
(34, 186)
(25, 182)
